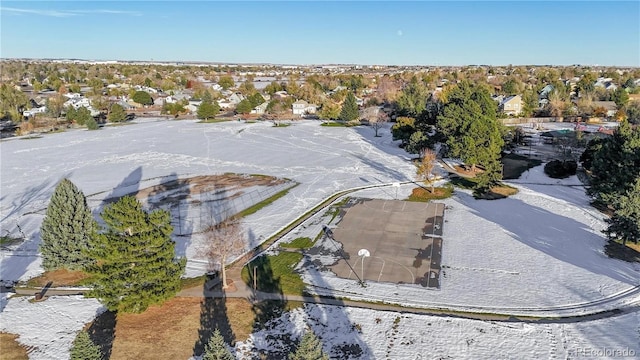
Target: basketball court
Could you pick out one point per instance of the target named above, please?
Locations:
(391, 241)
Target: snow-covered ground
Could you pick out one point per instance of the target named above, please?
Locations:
(47, 328)
(538, 251)
(118, 160)
(370, 334)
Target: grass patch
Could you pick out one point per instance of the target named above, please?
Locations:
(212, 121)
(275, 273)
(175, 322)
(255, 208)
(497, 192)
(187, 283)
(333, 124)
(60, 277)
(515, 165)
(335, 209)
(7, 240)
(629, 252)
(11, 349)
(298, 243)
(281, 125)
(424, 194)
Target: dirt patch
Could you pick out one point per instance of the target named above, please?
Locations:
(11, 349)
(170, 331)
(207, 183)
(467, 171)
(173, 191)
(60, 277)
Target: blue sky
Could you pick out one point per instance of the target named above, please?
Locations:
(320, 32)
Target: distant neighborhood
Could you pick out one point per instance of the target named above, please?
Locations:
(37, 95)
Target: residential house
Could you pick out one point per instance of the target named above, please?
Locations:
(609, 106)
(544, 93)
(33, 111)
(302, 107)
(260, 109)
(280, 95)
(125, 105)
(511, 105)
(231, 101)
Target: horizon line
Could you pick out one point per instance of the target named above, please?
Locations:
(193, 62)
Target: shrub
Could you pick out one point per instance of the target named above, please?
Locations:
(559, 170)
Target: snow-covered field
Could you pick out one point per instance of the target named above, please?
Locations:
(538, 252)
(370, 334)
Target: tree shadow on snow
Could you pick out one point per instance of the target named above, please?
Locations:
(333, 320)
(558, 236)
(102, 332)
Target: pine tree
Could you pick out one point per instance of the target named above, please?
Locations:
(216, 348)
(208, 109)
(349, 110)
(117, 113)
(615, 165)
(310, 348)
(66, 229)
(472, 131)
(84, 348)
(625, 223)
(135, 258)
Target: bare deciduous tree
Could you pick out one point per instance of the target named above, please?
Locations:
(375, 116)
(388, 89)
(426, 167)
(223, 240)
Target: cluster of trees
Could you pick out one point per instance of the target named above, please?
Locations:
(131, 259)
(81, 116)
(614, 165)
(309, 348)
(464, 119)
(142, 97)
(12, 103)
(208, 109)
(245, 106)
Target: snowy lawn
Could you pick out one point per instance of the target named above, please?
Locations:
(351, 333)
(538, 251)
(48, 328)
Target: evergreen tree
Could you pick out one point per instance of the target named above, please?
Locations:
(244, 107)
(615, 165)
(349, 110)
(403, 129)
(208, 109)
(413, 98)
(142, 97)
(471, 129)
(255, 99)
(117, 113)
(620, 97)
(92, 124)
(84, 348)
(71, 114)
(216, 348)
(66, 229)
(625, 223)
(310, 348)
(83, 116)
(135, 258)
